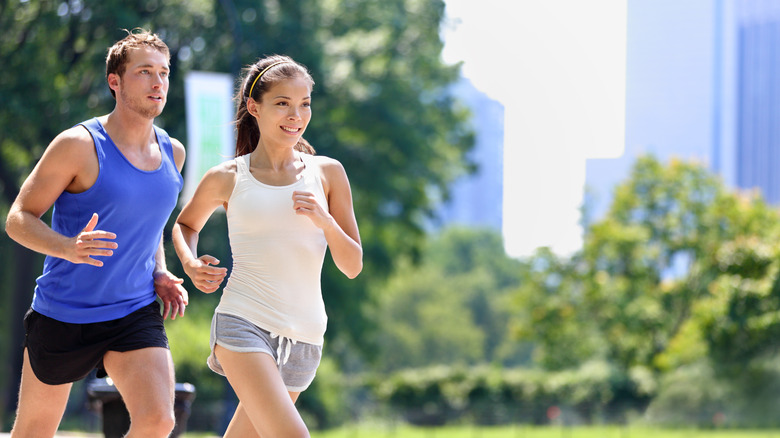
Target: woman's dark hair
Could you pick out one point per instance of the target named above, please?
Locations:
(258, 78)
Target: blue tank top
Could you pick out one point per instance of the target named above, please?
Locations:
(132, 203)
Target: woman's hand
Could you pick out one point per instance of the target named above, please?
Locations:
(304, 203)
(205, 277)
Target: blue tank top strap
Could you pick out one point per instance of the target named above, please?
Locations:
(164, 140)
(92, 125)
(98, 137)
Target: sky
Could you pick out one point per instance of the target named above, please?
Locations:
(558, 67)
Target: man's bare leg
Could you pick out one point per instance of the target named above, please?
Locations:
(145, 379)
(41, 406)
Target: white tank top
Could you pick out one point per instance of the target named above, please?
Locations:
(277, 256)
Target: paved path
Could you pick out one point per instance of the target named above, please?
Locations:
(76, 435)
(63, 435)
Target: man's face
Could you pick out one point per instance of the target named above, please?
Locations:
(143, 87)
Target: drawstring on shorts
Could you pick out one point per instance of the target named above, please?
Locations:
(280, 349)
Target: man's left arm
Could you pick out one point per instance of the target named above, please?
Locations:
(169, 287)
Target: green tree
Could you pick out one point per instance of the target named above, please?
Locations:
(662, 250)
(451, 307)
(549, 313)
(740, 317)
(382, 107)
(52, 55)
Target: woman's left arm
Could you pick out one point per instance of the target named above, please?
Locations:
(340, 226)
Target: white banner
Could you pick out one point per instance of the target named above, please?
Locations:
(210, 129)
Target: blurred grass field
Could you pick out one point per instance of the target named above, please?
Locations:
(374, 431)
(539, 432)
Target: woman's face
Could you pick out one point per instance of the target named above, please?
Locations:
(285, 111)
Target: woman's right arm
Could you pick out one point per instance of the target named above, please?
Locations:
(212, 192)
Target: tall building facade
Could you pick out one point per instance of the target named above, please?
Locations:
(669, 92)
(757, 142)
(476, 199)
(702, 84)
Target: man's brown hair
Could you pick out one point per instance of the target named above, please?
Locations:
(116, 61)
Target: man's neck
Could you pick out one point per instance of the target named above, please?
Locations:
(128, 129)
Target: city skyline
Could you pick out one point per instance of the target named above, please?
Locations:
(696, 83)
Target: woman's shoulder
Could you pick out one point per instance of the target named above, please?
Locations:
(225, 167)
(222, 173)
(332, 173)
(325, 163)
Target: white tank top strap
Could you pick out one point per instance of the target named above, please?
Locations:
(310, 169)
(242, 164)
(306, 160)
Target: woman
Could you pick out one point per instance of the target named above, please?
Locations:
(284, 207)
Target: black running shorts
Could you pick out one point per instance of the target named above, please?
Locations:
(62, 352)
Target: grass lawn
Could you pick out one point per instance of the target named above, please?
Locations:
(538, 432)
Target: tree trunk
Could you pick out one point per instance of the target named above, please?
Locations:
(28, 266)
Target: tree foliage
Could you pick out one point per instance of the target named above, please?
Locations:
(680, 281)
(678, 270)
(452, 307)
(381, 106)
(592, 393)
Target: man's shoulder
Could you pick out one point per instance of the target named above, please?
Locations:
(69, 162)
(74, 138)
(179, 153)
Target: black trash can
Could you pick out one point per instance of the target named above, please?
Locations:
(104, 399)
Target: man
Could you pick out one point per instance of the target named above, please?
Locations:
(113, 181)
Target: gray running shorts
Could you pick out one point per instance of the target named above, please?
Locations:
(297, 361)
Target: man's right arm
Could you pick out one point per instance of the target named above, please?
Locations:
(69, 163)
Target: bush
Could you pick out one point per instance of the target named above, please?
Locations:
(699, 395)
(487, 395)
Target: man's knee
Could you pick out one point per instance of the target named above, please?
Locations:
(152, 422)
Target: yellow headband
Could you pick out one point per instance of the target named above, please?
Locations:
(263, 72)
